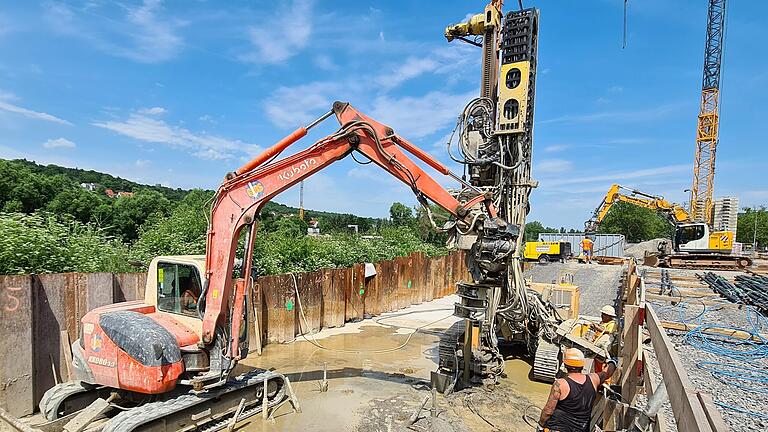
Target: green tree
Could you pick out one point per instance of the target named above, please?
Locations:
(77, 202)
(401, 215)
(180, 233)
(747, 221)
(424, 227)
(131, 212)
(637, 224)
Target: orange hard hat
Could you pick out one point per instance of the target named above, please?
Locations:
(573, 357)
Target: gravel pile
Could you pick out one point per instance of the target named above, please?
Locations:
(724, 390)
(637, 250)
(599, 285)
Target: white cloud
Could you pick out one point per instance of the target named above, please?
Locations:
(142, 163)
(373, 173)
(140, 34)
(325, 62)
(277, 40)
(443, 60)
(150, 129)
(552, 166)
(8, 96)
(642, 115)
(556, 148)
(622, 175)
(59, 143)
(417, 117)
(289, 107)
(6, 106)
(411, 68)
(153, 111)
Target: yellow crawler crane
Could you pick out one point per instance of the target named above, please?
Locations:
(693, 244)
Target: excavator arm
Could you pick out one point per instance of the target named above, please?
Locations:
(672, 212)
(245, 191)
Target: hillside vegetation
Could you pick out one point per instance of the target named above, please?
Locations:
(49, 223)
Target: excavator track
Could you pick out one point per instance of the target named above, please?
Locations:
(194, 411)
(546, 362)
(65, 398)
(706, 261)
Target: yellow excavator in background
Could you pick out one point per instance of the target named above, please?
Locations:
(693, 244)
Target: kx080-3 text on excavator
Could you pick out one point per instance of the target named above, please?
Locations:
(166, 360)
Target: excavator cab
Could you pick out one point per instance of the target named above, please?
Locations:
(692, 237)
(697, 238)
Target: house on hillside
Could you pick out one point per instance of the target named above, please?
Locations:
(124, 194)
(90, 187)
(110, 193)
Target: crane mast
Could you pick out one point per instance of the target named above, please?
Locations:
(707, 128)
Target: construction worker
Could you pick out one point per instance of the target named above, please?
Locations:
(586, 248)
(606, 328)
(569, 406)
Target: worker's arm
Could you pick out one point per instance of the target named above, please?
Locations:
(549, 407)
(608, 372)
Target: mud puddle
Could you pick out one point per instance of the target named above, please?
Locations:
(376, 383)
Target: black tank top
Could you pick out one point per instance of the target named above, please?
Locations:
(573, 413)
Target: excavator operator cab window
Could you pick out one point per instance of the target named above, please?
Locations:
(689, 233)
(178, 288)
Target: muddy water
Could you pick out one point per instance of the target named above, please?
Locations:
(375, 381)
(358, 372)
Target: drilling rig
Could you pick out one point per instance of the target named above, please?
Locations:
(494, 137)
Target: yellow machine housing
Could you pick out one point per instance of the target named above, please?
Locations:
(547, 251)
(513, 96)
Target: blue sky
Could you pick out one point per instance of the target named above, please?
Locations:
(180, 92)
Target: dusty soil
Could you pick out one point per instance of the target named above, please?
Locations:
(599, 285)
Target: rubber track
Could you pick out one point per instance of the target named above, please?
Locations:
(49, 404)
(132, 419)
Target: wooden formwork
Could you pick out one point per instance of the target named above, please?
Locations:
(693, 409)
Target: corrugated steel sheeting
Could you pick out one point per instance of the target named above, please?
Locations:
(611, 245)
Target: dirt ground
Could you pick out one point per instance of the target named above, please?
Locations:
(376, 382)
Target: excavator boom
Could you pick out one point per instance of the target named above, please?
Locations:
(674, 213)
(244, 192)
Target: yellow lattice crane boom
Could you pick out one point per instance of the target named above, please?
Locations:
(707, 127)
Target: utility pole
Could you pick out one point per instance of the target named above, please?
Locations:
(301, 200)
(754, 234)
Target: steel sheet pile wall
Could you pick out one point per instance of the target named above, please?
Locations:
(331, 297)
(39, 312)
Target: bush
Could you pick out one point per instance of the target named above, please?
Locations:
(43, 243)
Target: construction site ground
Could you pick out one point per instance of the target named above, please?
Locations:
(377, 381)
(741, 404)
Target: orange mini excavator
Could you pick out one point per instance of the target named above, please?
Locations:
(164, 363)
